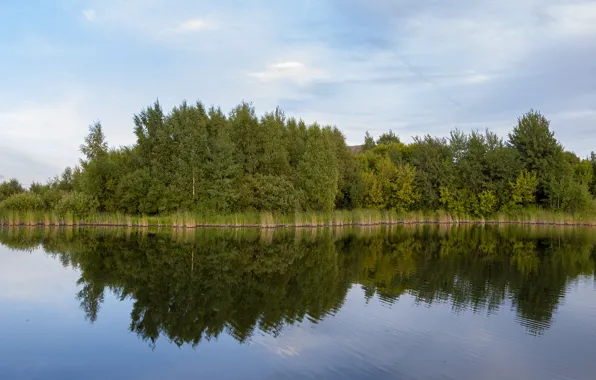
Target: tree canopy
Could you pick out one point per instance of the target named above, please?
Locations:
(202, 160)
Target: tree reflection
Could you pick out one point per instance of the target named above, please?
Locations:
(190, 286)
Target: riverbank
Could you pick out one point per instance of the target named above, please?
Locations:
(301, 219)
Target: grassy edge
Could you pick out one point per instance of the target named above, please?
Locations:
(299, 219)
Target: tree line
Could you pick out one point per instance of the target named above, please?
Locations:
(202, 160)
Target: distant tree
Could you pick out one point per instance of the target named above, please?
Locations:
(388, 138)
(369, 142)
(95, 144)
(9, 188)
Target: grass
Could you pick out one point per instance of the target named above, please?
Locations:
(299, 219)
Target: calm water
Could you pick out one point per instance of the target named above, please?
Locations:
(395, 303)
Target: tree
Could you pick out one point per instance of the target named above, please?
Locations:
(296, 136)
(538, 149)
(267, 193)
(95, 145)
(349, 183)
(222, 168)
(398, 185)
(67, 181)
(369, 142)
(373, 191)
(388, 138)
(248, 137)
(523, 190)
(483, 164)
(275, 158)
(433, 160)
(318, 171)
(10, 188)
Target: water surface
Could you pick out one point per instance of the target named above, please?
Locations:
(381, 303)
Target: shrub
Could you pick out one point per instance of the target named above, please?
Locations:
(267, 193)
(23, 202)
(76, 203)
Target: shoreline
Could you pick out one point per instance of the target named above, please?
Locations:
(306, 225)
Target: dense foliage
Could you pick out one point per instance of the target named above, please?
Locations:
(201, 160)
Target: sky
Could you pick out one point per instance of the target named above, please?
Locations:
(415, 67)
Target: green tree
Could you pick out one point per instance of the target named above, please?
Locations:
(275, 156)
(350, 188)
(388, 138)
(523, 190)
(538, 149)
(10, 188)
(248, 137)
(433, 160)
(318, 172)
(267, 193)
(23, 202)
(95, 145)
(222, 170)
(369, 142)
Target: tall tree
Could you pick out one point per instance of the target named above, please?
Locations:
(95, 145)
(318, 171)
(433, 160)
(248, 137)
(538, 149)
(222, 170)
(369, 142)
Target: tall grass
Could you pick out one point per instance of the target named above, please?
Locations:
(363, 217)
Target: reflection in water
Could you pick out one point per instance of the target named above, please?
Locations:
(191, 286)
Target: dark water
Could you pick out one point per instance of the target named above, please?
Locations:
(384, 303)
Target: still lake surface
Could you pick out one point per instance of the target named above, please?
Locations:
(356, 303)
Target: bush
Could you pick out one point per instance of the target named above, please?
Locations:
(51, 197)
(267, 193)
(10, 188)
(23, 202)
(76, 203)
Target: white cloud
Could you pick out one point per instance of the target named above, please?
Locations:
(90, 15)
(575, 20)
(193, 25)
(476, 78)
(292, 71)
(48, 133)
(287, 65)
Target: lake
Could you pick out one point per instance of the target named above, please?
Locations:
(425, 302)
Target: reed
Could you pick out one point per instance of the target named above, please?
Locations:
(338, 218)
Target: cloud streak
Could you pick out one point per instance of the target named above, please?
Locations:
(90, 15)
(193, 25)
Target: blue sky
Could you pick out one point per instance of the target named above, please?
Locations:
(414, 67)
